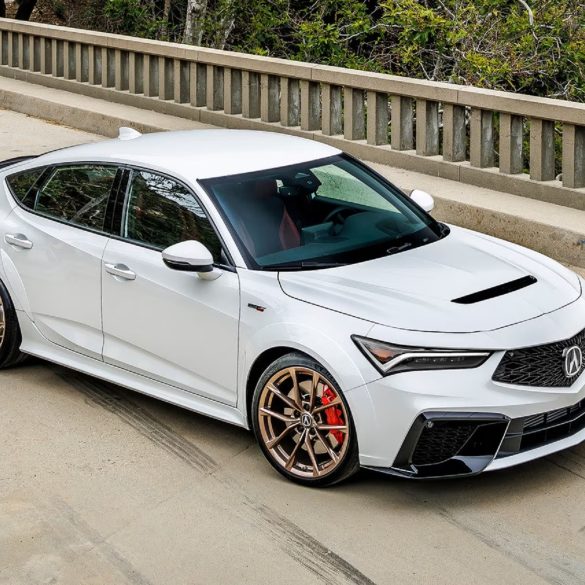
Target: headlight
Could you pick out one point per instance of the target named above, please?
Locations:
(392, 359)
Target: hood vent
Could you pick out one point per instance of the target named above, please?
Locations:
(496, 291)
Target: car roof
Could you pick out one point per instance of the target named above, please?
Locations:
(199, 154)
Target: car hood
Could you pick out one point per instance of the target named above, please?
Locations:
(415, 289)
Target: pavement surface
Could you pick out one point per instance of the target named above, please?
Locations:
(100, 485)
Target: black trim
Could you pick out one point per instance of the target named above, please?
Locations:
(496, 291)
(484, 434)
(17, 159)
(120, 185)
(186, 267)
(538, 430)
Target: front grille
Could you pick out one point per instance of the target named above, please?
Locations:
(541, 429)
(441, 441)
(539, 366)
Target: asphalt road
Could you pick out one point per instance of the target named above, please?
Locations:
(100, 486)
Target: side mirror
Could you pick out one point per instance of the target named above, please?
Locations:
(191, 256)
(423, 199)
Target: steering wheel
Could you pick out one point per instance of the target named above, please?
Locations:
(336, 216)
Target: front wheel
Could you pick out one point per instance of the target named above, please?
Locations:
(303, 423)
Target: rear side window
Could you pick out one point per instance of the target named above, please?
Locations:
(77, 195)
(21, 184)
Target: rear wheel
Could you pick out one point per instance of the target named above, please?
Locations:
(10, 337)
(303, 423)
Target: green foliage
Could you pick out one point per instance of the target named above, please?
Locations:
(132, 17)
(488, 43)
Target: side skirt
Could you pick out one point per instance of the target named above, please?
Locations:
(35, 344)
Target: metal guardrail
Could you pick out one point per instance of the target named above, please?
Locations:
(476, 136)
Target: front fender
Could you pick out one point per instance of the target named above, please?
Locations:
(270, 319)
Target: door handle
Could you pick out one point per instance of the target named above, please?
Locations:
(19, 240)
(120, 270)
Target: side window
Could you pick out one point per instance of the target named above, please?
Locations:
(22, 183)
(161, 212)
(77, 194)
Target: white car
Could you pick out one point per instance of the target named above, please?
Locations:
(281, 285)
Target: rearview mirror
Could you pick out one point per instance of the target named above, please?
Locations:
(191, 256)
(423, 199)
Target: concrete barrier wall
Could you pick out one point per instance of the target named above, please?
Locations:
(467, 134)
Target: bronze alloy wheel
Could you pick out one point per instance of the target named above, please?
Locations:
(303, 423)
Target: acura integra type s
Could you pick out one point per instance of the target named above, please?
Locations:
(279, 284)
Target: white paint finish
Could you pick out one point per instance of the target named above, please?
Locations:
(192, 342)
(170, 325)
(61, 277)
(423, 199)
(34, 343)
(201, 154)
(414, 289)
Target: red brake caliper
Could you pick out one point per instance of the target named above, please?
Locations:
(333, 415)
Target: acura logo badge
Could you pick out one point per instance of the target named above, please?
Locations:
(306, 420)
(573, 361)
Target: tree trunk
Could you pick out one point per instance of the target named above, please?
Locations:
(167, 10)
(2, 9)
(226, 25)
(196, 11)
(25, 8)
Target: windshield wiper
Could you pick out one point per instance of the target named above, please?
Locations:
(304, 265)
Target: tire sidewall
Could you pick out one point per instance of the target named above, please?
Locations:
(10, 348)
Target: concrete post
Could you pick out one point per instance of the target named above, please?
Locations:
(353, 114)
(80, 62)
(250, 95)
(481, 138)
(331, 110)
(232, 91)
(132, 72)
(402, 123)
(310, 106)
(70, 61)
(573, 156)
(454, 135)
(511, 133)
(118, 69)
(427, 128)
(166, 89)
(269, 98)
(214, 87)
(542, 150)
(290, 101)
(103, 66)
(377, 118)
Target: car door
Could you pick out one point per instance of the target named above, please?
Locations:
(166, 324)
(52, 246)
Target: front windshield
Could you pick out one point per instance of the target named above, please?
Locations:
(322, 213)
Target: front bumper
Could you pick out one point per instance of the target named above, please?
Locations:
(486, 421)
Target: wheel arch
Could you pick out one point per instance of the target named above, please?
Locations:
(259, 366)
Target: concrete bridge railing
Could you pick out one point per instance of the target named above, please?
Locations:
(480, 137)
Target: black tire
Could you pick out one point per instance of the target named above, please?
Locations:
(318, 469)
(10, 354)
